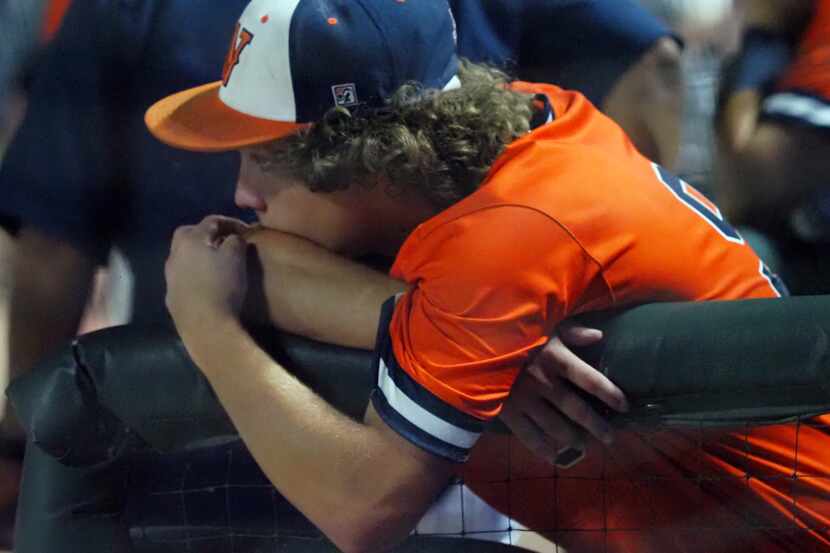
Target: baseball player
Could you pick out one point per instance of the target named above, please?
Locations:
(772, 128)
(106, 177)
(509, 207)
(101, 187)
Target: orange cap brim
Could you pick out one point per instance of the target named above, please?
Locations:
(197, 120)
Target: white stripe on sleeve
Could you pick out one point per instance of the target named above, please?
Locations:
(420, 417)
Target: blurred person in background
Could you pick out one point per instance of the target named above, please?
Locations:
(21, 22)
(25, 27)
(107, 63)
(773, 130)
(620, 56)
(82, 175)
(709, 30)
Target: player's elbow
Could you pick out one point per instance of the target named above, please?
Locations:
(373, 526)
(382, 515)
(367, 541)
(388, 495)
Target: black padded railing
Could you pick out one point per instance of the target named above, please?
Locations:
(126, 402)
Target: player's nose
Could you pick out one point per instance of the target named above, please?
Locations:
(248, 199)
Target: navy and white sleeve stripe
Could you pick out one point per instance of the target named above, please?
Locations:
(798, 106)
(412, 410)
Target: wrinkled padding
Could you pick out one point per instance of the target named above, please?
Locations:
(140, 381)
(78, 468)
(119, 393)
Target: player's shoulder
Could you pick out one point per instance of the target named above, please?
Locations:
(484, 218)
(478, 263)
(577, 136)
(487, 245)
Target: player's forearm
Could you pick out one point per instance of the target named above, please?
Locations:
(740, 119)
(333, 469)
(315, 293)
(737, 187)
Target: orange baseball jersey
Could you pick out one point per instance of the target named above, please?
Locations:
(571, 218)
(803, 91)
(759, 490)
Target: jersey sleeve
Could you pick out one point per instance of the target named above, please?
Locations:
(56, 175)
(489, 289)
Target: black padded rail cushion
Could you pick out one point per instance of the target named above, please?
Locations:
(99, 403)
(719, 363)
(713, 363)
(111, 390)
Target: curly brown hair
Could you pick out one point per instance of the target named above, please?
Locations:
(441, 144)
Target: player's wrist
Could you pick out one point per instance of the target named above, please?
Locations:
(208, 340)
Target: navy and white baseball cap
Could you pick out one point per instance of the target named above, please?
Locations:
(290, 61)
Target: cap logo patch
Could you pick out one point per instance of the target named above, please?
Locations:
(241, 39)
(345, 95)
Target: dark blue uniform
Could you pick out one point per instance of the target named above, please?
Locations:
(84, 168)
(585, 45)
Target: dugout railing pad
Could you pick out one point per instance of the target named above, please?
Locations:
(115, 403)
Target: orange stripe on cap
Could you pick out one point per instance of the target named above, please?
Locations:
(197, 120)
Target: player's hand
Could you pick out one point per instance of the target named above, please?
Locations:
(206, 273)
(544, 410)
